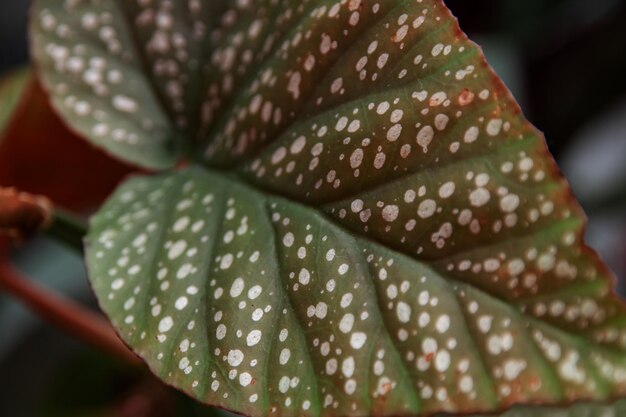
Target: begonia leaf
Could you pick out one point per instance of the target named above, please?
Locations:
(371, 226)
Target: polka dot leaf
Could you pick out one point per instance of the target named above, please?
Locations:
(125, 74)
(365, 224)
(262, 305)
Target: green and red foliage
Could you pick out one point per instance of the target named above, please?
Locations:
(351, 217)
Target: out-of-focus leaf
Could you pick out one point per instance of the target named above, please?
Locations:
(11, 87)
(38, 154)
(377, 231)
(87, 384)
(93, 385)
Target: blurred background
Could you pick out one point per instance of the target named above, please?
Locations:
(564, 60)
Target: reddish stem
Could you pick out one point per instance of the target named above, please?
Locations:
(66, 314)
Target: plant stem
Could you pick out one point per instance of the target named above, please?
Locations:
(68, 315)
(67, 229)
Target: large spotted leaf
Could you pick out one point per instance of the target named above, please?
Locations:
(261, 305)
(375, 228)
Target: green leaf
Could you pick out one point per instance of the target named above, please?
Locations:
(11, 87)
(261, 305)
(376, 229)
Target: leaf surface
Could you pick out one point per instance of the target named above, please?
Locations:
(376, 229)
(261, 305)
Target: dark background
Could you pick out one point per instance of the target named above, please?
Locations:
(564, 60)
